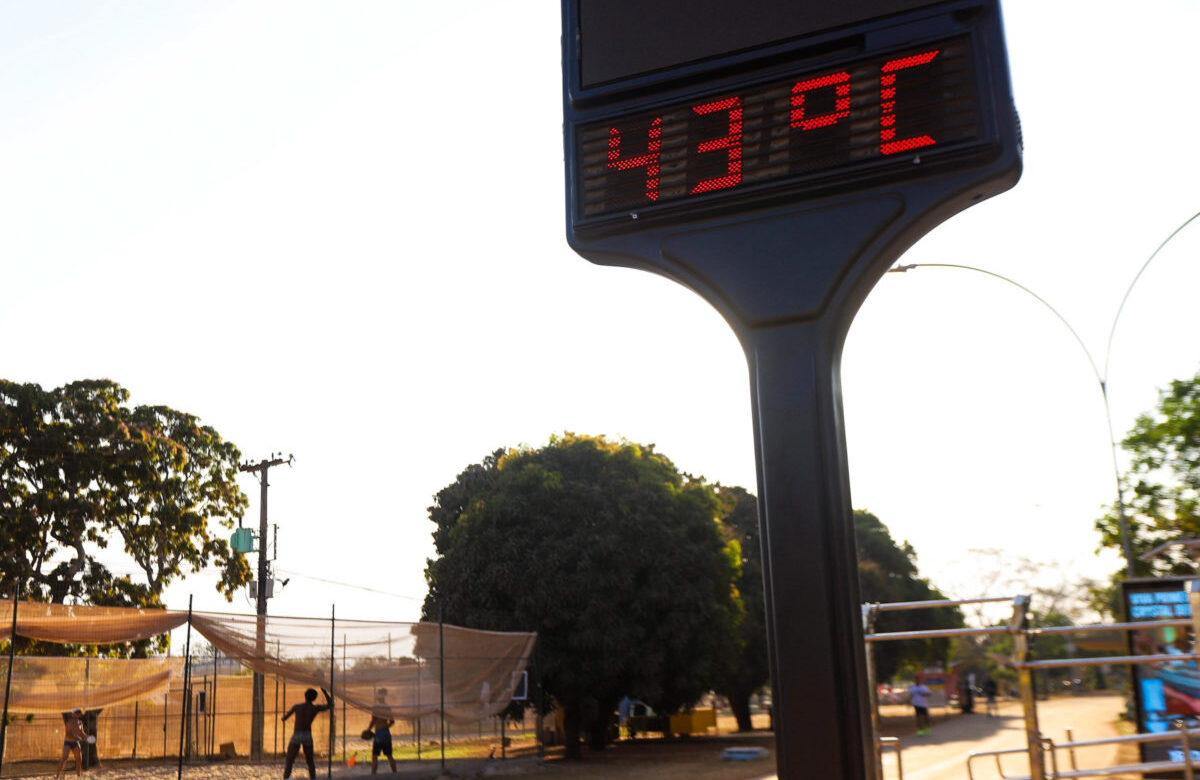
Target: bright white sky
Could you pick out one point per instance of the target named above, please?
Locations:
(336, 230)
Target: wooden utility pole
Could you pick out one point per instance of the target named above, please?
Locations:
(258, 702)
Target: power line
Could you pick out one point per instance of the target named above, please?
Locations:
(349, 585)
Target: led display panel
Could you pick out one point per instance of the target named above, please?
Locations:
(1167, 691)
(806, 129)
(623, 38)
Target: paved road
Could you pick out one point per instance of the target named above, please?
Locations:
(942, 754)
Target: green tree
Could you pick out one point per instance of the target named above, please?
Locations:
(746, 669)
(1162, 487)
(609, 553)
(887, 572)
(81, 470)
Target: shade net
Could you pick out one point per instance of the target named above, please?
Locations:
(419, 674)
(70, 624)
(399, 670)
(56, 685)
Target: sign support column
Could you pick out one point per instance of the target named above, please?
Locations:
(809, 565)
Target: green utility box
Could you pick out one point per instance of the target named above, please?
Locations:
(242, 540)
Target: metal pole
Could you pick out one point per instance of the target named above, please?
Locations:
(869, 613)
(1033, 736)
(202, 729)
(343, 697)
(135, 728)
(808, 548)
(1187, 752)
(258, 704)
(896, 606)
(417, 729)
(332, 690)
(275, 720)
(541, 704)
(936, 633)
(442, 684)
(1122, 514)
(258, 691)
(12, 650)
(212, 705)
(1101, 378)
(187, 693)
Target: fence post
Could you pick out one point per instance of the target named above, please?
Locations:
(869, 613)
(332, 661)
(135, 727)
(282, 704)
(12, 648)
(1033, 736)
(212, 705)
(442, 680)
(541, 702)
(1187, 750)
(343, 696)
(275, 720)
(417, 722)
(201, 716)
(187, 690)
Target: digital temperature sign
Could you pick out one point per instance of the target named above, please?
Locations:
(806, 129)
(776, 157)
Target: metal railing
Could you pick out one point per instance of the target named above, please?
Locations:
(1051, 749)
(1038, 748)
(871, 611)
(883, 743)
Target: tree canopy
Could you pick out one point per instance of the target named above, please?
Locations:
(887, 572)
(609, 553)
(1162, 486)
(746, 669)
(82, 471)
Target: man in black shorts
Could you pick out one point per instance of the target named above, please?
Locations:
(381, 724)
(919, 697)
(305, 713)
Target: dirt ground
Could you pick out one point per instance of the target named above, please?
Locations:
(679, 759)
(693, 758)
(682, 759)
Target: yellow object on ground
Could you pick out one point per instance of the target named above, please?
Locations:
(698, 721)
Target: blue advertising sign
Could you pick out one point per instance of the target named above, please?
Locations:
(1166, 691)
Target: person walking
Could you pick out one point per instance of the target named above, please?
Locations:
(989, 691)
(919, 698)
(306, 713)
(73, 738)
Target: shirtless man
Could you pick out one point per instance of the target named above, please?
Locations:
(305, 713)
(381, 724)
(73, 737)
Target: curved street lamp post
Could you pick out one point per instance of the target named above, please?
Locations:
(1101, 377)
